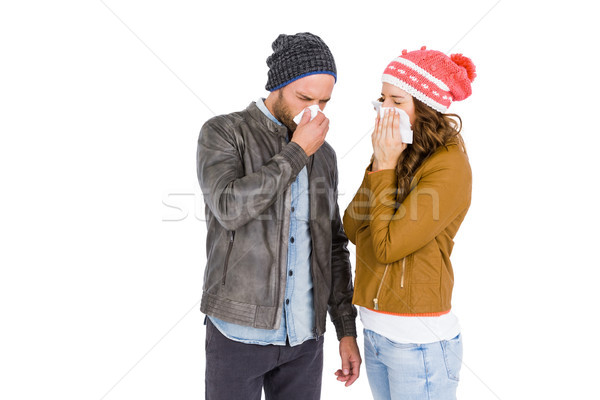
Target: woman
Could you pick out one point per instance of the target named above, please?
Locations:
(403, 219)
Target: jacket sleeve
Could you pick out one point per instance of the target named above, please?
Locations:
(357, 212)
(442, 193)
(235, 198)
(341, 310)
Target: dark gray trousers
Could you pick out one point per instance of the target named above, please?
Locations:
(236, 370)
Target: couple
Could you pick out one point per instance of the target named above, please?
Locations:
(277, 257)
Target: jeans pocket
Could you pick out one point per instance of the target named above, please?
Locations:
(398, 345)
(453, 353)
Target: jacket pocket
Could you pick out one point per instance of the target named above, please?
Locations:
(393, 283)
(229, 247)
(376, 299)
(427, 264)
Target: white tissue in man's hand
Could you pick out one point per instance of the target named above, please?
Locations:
(314, 109)
(405, 128)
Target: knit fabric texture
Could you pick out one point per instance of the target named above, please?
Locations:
(297, 56)
(432, 77)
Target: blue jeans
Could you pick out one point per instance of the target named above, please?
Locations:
(400, 371)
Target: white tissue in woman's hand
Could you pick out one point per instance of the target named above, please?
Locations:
(314, 109)
(405, 128)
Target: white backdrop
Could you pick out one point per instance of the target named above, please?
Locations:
(102, 244)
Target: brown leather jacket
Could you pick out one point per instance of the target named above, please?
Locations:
(403, 257)
(245, 169)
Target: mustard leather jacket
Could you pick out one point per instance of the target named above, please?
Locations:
(403, 256)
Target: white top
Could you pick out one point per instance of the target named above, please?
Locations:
(419, 330)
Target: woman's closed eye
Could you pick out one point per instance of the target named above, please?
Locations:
(381, 99)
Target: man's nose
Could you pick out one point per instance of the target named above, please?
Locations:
(316, 102)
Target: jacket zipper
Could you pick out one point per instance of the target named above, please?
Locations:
(280, 234)
(376, 299)
(403, 270)
(312, 255)
(231, 235)
(312, 275)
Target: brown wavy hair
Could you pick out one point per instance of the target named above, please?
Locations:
(431, 130)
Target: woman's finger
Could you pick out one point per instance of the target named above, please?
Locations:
(379, 128)
(385, 132)
(391, 132)
(396, 128)
(374, 134)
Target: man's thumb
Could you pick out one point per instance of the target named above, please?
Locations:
(306, 116)
(345, 367)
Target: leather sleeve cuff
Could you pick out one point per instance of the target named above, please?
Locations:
(295, 155)
(345, 326)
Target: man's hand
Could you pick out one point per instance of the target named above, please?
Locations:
(350, 361)
(310, 135)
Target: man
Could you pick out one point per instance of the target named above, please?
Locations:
(277, 256)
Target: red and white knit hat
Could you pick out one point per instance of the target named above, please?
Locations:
(432, 77)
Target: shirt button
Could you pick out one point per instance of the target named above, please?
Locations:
(291, 273)
(293, 209)
(292, 239)
(287, 301)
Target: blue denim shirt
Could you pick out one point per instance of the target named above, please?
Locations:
(298, 319)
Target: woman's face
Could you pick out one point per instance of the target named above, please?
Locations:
(393, 96)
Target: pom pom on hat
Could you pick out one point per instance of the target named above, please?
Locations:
(466, 63)
(432, 77)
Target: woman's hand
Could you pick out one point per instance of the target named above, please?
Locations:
(387, 141)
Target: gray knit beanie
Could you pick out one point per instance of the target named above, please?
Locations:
(296, 56)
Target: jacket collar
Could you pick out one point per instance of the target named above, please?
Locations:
(272, 127)
(264, 121)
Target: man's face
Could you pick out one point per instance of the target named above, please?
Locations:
(302, 93)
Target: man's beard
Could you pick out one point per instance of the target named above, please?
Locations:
(283, 114)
